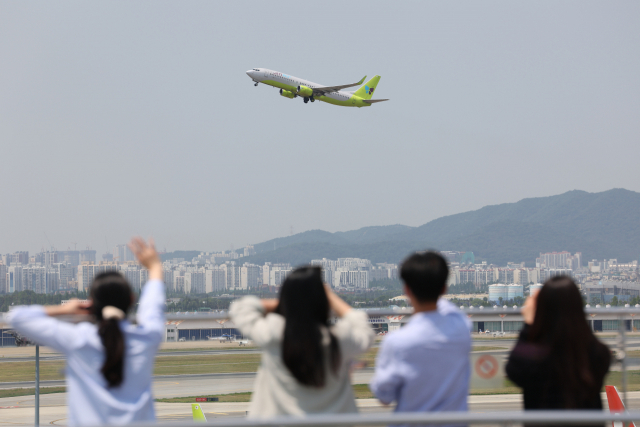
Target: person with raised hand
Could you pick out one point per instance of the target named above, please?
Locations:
(109, 360)
(305, 360)
(558, 361)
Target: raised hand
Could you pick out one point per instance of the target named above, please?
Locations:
(529, 309)
(147, 255)
(73, 306)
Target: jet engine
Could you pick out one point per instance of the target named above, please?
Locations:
(305, 91)
(287, 94)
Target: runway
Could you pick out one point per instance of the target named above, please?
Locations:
(507, 343)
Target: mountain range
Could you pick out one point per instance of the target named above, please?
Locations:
(600, 225)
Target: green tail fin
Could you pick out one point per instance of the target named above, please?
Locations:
(198, 415)
(366, 91)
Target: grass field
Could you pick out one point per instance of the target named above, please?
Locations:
(486, 348)
(360, 391)
(30, 391)
(177, 350)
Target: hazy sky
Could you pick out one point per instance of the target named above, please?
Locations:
(123, 118)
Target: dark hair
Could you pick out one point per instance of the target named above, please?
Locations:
(111, 289)
(560, 325)
(425, 274)
(305, 307)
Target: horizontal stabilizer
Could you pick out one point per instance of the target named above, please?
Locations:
(371, 101)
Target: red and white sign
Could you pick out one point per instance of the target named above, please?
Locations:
(486, 366)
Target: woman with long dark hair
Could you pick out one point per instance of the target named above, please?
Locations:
(558, 361)
(109, 361)
(305, 360)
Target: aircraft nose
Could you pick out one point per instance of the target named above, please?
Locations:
(250, 73)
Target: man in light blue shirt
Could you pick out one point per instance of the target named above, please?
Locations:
(424, 366)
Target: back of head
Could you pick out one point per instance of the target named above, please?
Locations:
(425, 274)
(560, 324)
(305, 307)
(111, 298)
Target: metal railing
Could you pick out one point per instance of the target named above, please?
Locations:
(431, 418)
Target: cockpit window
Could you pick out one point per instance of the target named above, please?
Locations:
(255, 69)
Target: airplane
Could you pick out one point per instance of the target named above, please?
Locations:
(292, 87)
(198, 415)
(616, 406)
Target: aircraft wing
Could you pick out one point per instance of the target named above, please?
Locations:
(371, 101)
(328, 89)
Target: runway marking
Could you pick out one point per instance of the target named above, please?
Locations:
(8, 407)
(55, 421)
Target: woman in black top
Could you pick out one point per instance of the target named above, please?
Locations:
(558, 361)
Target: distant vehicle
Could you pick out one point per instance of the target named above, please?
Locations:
(498, 334)
(616, 406)
(21, 341)
(198, 415)
(183, 339)
(243, 343)
(226, 338)
(292, 87)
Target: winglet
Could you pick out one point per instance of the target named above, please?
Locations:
(362, 80)
(198, 415)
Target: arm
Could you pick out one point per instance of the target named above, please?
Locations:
(519, 368)
(336, 303)
(35, 322)
(387, 382)
(150, 314)
(352, 330)
(248, 314)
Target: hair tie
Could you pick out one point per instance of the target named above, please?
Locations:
(111, 312)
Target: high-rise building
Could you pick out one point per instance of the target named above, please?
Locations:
(250, 276)
(195, 281)
(277, 275)
(122, 254)
(49, 257)
(71, 258)
(14, 278)
(216, 279)
(21, 257)
(89, 255)
(34, 278)
(559, 260)
(86, 273)
(346, 278)
(3, 279)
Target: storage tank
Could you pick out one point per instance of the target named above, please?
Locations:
(515, 291)
(498, 291)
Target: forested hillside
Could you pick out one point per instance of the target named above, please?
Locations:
(600, 225)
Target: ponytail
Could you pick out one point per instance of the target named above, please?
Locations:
(113, 342)
(111, 295)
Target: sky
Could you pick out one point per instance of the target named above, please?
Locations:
(123, 118)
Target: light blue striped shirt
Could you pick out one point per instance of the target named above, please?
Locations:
(424, 366)
(90, 401)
